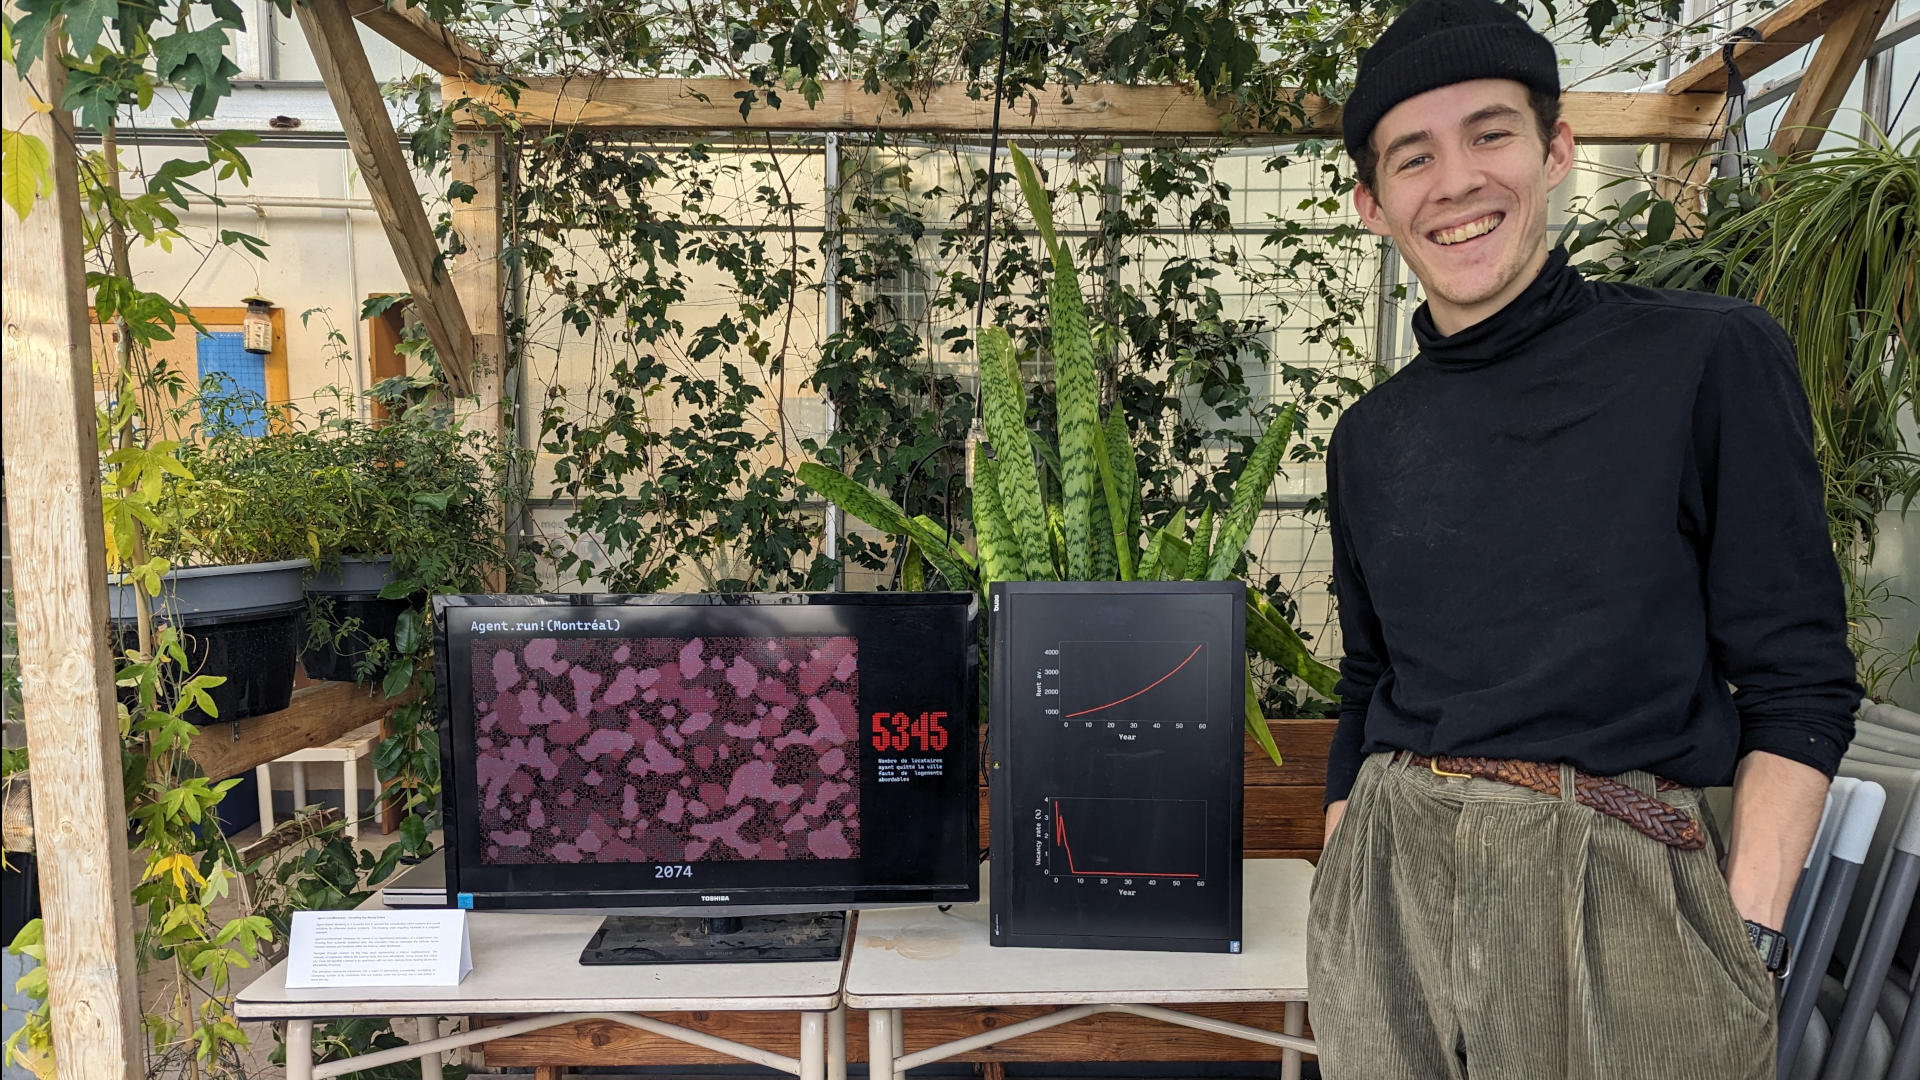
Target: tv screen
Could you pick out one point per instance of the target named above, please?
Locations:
(720, 753)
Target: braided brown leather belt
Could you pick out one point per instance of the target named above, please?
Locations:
(1646, 814)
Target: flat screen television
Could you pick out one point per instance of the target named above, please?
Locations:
(708, 754)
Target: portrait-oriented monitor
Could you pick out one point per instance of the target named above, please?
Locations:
(710, 754)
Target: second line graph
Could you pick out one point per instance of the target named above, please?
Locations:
(1116, 837)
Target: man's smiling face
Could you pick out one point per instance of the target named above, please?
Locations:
(1462, 187)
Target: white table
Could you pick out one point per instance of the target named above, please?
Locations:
(922, 958)
(529, 964)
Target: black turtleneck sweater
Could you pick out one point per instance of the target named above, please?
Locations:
(1560, 534)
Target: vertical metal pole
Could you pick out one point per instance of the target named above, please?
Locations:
(837, 1043)
(880, 1044)
(1386, 309)
(813, 1046)
(1876, 99)
(430, 1062)
(299, 1050)
(1293, 1022)
(830, 298)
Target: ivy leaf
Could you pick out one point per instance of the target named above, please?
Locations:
(406, 631)
(254, 245)
(229, 14)
(1661, 219)
(197, 62)
(26, 168)
(378, 305)
(94, 96)
(1600, 15)
(167, 180)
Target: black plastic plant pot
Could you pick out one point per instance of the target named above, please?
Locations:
(338, 659)
(350, 595)
(242, 622)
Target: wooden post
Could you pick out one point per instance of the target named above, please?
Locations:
(480, 284)
(1681, 175)
(1835, 62)
(335, 42)
(59, 560)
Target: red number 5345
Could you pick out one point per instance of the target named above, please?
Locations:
(898, 731)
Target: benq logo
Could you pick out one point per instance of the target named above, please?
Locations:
(711, 898)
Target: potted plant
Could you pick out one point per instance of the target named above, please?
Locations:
(226, 549)
(1091, 527)
(396, 507)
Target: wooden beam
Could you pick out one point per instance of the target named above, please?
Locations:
(1095, 109)
(59, 560)
(383, 167)
(317, 715)
(1680, 175)
(1835, 62)
(481, 285)
(421, 38)
(1786, 30)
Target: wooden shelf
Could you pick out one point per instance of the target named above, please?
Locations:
(318, 714)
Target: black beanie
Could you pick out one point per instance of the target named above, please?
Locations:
(1438, 43)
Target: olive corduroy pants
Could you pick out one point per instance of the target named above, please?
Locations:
(1471, 928)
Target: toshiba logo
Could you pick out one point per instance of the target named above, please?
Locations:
(712, 898)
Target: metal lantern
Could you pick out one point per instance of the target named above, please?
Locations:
(259, 325)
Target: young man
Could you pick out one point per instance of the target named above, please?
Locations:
(1577, 516)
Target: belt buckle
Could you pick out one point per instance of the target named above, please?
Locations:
(1434, 764)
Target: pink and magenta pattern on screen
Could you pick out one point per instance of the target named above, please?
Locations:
(667, 750)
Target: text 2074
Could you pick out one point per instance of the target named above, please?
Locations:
(673, 870)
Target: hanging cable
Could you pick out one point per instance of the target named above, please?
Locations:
(1893, 124)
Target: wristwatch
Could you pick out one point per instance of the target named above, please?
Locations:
(1772, 947)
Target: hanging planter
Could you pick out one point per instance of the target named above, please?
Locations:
(242, 622)
(347, 616)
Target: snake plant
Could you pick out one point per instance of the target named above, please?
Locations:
(1098, 511)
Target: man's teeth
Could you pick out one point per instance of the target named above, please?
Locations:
(1468, 231)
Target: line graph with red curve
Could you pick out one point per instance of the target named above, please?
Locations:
(1132, 680)
(1137, 838)
(1122, 701)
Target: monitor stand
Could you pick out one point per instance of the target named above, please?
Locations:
(651, 939)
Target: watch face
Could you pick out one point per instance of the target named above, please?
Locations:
(1770, 944)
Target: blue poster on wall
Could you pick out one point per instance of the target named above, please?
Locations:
(238, 399)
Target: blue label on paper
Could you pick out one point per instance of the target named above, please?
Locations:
(1233, 946)
(465, 901)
